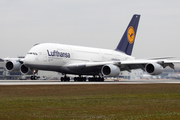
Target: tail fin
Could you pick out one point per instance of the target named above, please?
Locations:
(127, 41)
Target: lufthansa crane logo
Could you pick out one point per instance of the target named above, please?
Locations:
(130, 34)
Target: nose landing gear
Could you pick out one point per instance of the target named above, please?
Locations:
(34, 77)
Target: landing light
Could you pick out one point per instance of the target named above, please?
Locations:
(34, 71)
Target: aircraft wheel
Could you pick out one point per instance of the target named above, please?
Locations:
(33, 77)
(62, 79)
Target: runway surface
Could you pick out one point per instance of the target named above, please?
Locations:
(56, 82)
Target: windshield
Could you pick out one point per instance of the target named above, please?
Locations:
(32, 53)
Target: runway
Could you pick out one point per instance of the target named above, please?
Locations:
(56, 82)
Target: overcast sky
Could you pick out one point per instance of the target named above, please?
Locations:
(92, 23)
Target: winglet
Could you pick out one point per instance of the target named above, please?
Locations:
(127, 41)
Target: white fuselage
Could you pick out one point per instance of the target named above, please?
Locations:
(52, 56)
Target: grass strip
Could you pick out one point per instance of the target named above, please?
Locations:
(146, 101)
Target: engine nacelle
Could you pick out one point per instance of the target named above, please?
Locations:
(12, 65)
(110, 70)
(154, 68)
(26, 70)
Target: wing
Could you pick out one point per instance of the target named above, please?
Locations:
(136, 64)
(91, 65)
(14, 59)
(159, 58)
(132, 64)
(126, 65)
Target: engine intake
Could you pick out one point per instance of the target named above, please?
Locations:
(154, 68)
(26, 70)
(110, 70)
(12, 66)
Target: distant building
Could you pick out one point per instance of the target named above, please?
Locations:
(1, 68)
(136, 74)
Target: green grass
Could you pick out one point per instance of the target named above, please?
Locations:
(149, 101)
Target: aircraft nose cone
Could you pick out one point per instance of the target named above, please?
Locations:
(28, 60)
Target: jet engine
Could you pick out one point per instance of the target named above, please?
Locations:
(110, 70)
(26, 70)
(154, 68)
(12, 65)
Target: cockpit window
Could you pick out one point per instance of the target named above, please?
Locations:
(32, 53)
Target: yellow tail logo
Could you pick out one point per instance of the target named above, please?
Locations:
(130, 34)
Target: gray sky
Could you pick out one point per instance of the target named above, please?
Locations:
(93, 23)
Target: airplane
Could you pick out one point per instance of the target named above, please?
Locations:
(81, 61)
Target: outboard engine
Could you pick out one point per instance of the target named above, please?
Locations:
(12, 65)
(154, 68)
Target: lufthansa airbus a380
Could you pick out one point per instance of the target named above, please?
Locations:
(77, 60)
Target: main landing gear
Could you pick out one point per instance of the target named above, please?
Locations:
(83, 79)
(65, 79)
(79, 79)
(96, 79)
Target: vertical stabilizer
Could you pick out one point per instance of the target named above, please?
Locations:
(127, 41)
